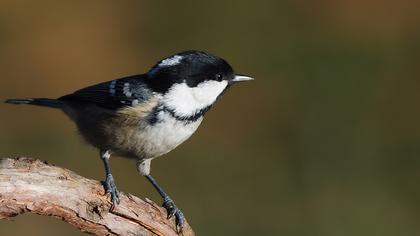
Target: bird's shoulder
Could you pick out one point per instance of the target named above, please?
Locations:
(119, 93)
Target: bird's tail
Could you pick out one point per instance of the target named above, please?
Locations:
(46, 102)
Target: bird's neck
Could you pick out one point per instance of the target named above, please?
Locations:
(187, 118)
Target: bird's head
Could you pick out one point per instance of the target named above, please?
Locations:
(192, 80)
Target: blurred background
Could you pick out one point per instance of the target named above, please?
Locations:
(325, 141)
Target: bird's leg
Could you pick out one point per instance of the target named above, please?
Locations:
(109, 183)
(168, 203)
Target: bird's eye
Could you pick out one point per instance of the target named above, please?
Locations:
(219, 76)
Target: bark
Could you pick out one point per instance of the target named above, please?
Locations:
(28, 185)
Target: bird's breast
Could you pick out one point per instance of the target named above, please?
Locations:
(143, 139)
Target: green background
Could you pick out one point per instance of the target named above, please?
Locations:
(325, 141)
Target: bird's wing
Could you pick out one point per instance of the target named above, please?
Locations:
(114, 94)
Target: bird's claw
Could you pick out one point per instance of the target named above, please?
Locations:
(111, 188)
(173, 210)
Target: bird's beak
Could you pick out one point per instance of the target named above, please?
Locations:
(240, 78)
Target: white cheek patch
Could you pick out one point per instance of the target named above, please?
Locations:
(186, 101)
(207, 92)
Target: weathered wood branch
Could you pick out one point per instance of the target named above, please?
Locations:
(28, 185)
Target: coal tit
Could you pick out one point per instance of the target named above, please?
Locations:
(146, 116)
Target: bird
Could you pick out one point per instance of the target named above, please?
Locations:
(145, 116)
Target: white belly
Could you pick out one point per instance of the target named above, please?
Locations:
(165, 135)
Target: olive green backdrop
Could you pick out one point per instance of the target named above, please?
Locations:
(325, 141)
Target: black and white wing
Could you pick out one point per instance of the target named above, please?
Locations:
(114, 94)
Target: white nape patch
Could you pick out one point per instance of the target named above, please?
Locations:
(171, 61)
(186, 101)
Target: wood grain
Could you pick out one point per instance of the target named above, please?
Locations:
(28, 185)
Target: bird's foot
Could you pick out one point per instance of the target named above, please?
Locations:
(173, 210)
(111, 188)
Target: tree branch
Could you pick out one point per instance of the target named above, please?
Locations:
(28, 185)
